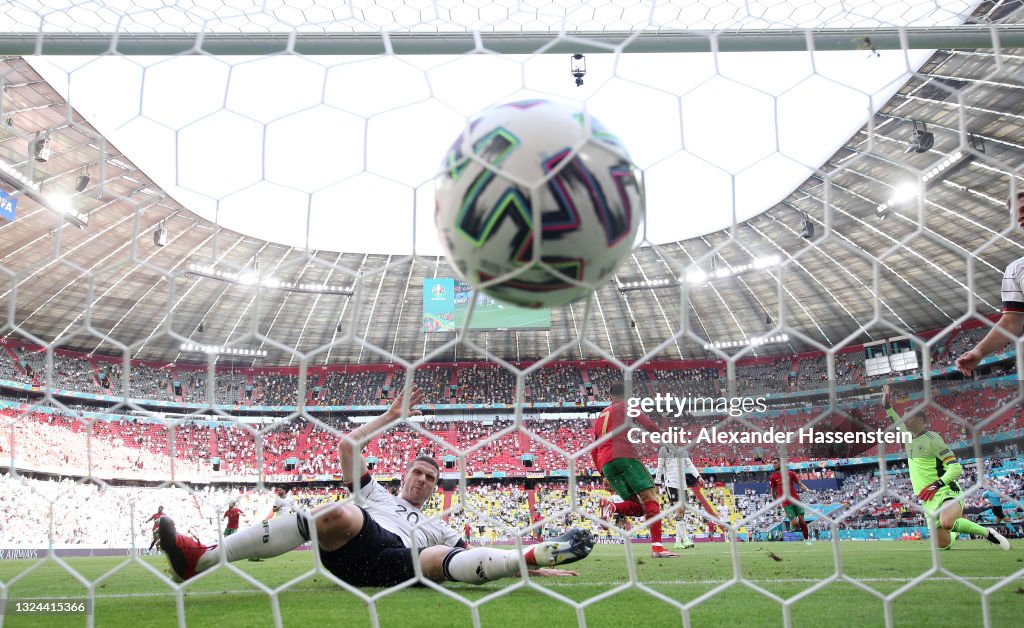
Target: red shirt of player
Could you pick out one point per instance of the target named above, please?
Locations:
(232, 515)
(468, 530)
(618, 446)
(156, 520)
(776, 483)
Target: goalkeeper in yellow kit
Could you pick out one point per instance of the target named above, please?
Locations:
(933, 474)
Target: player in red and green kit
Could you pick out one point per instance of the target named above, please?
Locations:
(155, 518)
(620, 465)
(232, 514)
(933, 474)
(794, 512)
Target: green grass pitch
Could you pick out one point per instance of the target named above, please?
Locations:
(508, 317)
(135, 597)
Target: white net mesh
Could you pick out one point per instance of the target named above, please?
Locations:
(182, 332)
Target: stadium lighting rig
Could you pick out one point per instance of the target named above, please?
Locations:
(250, 277)
(222, 350)
(58, 204)
(908, 190)
(750, 342)
(697, 277)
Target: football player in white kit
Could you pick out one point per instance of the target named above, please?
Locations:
(283, 504)
(677, 473)
(375, 541)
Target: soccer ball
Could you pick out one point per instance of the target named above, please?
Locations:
(537, 173)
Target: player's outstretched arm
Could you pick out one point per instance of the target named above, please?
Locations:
(352, 444)
(1010, 325)
(887, 401)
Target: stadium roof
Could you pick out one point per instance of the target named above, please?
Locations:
(108, 285)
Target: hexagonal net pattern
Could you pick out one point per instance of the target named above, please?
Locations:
(218, 238)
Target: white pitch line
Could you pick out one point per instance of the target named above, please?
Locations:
(559, 583)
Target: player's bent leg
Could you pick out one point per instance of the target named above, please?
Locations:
(951, 518)
(337, 524)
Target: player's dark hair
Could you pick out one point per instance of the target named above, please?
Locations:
(617, 390)
(427, 459)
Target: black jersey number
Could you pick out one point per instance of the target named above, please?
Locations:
(410, 515)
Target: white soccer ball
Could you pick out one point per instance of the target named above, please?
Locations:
(552, 174)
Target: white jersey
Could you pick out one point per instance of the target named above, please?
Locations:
(1013, 287)
(394, 514)
(283, 505)
(672, 469)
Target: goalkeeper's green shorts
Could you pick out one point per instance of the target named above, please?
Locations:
(943, 495)
(793, 511)
(628, 476)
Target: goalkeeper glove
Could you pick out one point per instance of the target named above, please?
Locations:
(928, 492)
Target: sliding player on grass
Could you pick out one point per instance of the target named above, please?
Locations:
(933, 474)
(375, 544)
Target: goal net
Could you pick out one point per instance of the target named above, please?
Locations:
(219, 235)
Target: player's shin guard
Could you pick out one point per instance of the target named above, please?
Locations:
(965, 526)
(651, 510)
(271, 538)
(480, 564)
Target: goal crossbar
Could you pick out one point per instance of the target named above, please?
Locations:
(372, 43)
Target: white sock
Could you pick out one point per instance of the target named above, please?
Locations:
(271, 538)
(480, 564)
(680, 533)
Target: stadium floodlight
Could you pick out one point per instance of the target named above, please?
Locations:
(62, 205)
(768, 261)
(806, 228)
(922, 140)
(55, 203)
(250, 277)
(160, 235)
(222, 350)
(903, 192)
(42, 146)
(946, 167)
(751, 342)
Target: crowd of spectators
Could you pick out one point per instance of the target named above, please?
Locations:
(486, 385)
(554, 384)
(435, 382)
(697, 382)
(765, 378)
(340, 388)
(473, 383)
(141, 445)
